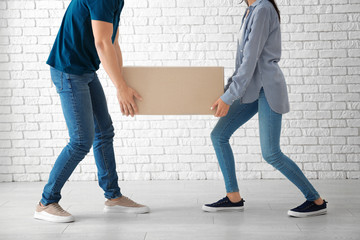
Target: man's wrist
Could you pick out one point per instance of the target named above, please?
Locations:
(120, 87)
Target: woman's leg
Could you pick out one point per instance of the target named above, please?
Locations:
(77, 109)
(238, 115)
(270, 129)
(103, 143)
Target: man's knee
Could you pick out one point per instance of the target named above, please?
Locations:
(82, 145)
(105, 133)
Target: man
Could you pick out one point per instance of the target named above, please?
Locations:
(88, 34)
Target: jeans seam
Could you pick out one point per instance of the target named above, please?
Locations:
(222, 151)
(299, 177)
(77, 124)
(285, 165)
(102, 151)
(60, 176)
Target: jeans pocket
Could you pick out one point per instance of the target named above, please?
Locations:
(66, 81)
(56, 77)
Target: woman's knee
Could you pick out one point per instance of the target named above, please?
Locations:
(218, 137)
(271, 157)
(215, 135)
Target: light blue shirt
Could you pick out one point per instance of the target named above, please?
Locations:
(257, 60)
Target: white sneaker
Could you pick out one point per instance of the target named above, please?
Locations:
(53, 213)
(124, 205)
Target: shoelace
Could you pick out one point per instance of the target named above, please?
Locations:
(309, 206)
(130, 201)
(224, 200)
(59, 208)
(221, 201)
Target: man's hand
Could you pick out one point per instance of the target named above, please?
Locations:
(222, 108)
(127, 102)
(111, 59)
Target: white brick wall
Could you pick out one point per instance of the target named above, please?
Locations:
(321, 61)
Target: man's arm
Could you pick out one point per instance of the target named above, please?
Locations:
(118, 51)
(109, 58)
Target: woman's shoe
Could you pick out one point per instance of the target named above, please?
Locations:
(307, 209)
(224, 205)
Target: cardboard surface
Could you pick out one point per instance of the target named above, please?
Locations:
(176, 90)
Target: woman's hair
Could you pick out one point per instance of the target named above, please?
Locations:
(273, 3)
(276, 7)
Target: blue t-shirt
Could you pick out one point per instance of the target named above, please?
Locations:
(74, 49)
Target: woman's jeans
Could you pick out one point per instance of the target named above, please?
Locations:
(270, 128)
(89, 124)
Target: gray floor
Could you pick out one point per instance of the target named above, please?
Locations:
(176, 212)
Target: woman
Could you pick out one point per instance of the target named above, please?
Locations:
(258, 86)
(88, 33)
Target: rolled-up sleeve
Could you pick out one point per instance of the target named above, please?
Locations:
(259, 32)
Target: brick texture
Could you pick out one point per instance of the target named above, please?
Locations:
(321, 41)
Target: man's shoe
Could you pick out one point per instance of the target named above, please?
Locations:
(53, 213)
(124, 205)
(224, 205)
(307, 209)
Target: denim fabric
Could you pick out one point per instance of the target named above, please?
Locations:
(89, 125)
(257, 57)
(270, 128)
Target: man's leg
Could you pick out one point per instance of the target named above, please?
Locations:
(76, 105)
(77, 109)
(103, 143)
(105, 157)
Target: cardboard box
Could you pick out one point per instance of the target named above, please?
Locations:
(176, 90)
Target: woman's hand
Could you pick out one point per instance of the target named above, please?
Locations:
(127, 102)
(222, 108)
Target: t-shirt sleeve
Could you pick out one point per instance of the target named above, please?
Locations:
(102, 10)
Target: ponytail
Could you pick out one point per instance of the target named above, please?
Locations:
(276, 7)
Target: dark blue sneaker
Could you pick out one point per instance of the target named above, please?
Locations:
(307, 209)
(224, 205)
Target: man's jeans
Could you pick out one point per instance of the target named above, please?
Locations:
(270, 128)
(89, 124)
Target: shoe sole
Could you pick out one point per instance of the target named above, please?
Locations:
(52, 218)
(308, 214)
(223, 209)
(120, 209)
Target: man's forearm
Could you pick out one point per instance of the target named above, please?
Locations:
(111, 62)
(119, 56)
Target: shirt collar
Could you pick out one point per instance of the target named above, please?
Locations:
(252, 6)
(255, 3)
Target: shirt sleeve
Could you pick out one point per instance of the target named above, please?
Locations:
(259, 33)
(102, 10)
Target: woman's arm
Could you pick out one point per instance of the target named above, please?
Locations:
(260, 29)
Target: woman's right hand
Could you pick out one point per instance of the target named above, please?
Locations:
(127, 101)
